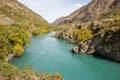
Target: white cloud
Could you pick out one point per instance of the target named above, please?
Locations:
(78, 5)
(51, 9)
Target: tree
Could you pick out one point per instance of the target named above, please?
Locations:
(18, 50)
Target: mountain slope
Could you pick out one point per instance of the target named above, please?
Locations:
(95, 10)
(13, 12)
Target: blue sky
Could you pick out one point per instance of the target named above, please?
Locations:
(50, 10)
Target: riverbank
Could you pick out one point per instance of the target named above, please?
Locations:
(94, 37)
(10, 72)
(48, 54)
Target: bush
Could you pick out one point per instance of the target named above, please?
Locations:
(18, 50)
(81, 35)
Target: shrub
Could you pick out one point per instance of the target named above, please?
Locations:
(18, 50)
(81, 34)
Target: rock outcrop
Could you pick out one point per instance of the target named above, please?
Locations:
(106, 44)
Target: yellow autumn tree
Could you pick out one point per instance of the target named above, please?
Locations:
(81, 34)
(18, 50)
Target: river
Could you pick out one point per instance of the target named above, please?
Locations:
(49, 54)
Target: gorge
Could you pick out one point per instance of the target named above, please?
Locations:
(33, 49)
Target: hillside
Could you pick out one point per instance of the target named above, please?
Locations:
(95, 10)
(17, 25)
(14, 13)
(95, 28)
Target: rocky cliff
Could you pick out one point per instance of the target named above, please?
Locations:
(105, 42)
(95, 28)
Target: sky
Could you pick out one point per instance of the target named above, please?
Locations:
(50, 10)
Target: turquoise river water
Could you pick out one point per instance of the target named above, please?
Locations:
(48, 55)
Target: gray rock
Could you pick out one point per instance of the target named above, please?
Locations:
(75, 50)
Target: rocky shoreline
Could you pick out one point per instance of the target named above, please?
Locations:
(105, 39)
(106, 45)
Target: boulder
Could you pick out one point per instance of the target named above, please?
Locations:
(75, 50)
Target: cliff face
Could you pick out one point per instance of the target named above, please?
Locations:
(95, 10)
(95, 28)
(105, 43)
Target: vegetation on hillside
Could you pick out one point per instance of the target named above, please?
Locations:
(76, 33)
(11, 36)
(81, 35)
(17, 25)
